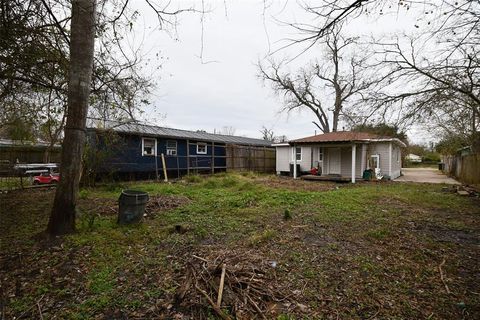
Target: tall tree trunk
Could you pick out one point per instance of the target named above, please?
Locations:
(337, 108)
(62, 218)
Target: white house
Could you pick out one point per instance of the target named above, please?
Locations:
(341, 154)
(413, 158)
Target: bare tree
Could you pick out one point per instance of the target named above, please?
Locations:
(227, 130)
(425, 76)
(339, 74)
(267, 134)
(438, 16)
(425, 86)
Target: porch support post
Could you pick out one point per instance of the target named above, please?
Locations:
(354, 156)
(390, 155)
(364, 158)
(294, 161)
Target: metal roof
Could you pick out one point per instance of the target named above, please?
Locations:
(18, 143)
(345, 136)
(149, 130)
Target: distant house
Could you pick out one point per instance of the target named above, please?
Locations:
(413, 158)
(341, 154)
(14, 151)
(137, 150)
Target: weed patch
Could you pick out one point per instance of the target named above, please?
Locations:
(262, 236)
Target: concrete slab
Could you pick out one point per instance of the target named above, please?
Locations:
(426, 175)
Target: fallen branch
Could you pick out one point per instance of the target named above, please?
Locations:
(442, 277)
(220, 288)
(256, 307)
(39, 310)
(220, 313)
(200, 258)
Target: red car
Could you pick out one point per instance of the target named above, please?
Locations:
(46, 178)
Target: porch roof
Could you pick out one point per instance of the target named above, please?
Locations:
(345, 137)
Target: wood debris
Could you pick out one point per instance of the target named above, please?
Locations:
(466, 190)
(243, 289)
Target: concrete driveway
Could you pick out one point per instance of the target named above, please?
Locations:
(428, 175)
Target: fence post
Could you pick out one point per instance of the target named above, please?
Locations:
(188, 157)
(213, 158)
(264, 159)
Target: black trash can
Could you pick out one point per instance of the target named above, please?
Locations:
(131, 206)
(441, 166)
(367, 174)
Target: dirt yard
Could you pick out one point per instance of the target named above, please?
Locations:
(287, 250)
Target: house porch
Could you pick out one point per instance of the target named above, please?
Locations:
(335, 162)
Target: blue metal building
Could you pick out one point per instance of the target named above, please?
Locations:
(137, 149)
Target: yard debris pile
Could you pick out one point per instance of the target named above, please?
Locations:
(232, 286)
(467, 191)
(463, 190)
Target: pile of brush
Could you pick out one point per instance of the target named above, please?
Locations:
(232, 287)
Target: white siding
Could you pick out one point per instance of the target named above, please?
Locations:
(346, 170)
(325, 161)
(396, 161)
(383, 150)
(328, 163)
(305, 163)
(283, 159)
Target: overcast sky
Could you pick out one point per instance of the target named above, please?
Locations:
(224, 89)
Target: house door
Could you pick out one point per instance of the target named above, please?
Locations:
(334, 161)
(375, 161)
(375, 165)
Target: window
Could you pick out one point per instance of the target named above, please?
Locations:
(320, 154)
(201, 148)
(149, 147)
(171, 148)
(398, 155)
(297, 152)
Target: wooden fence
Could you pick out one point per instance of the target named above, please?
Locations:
(465, 168)
(28, 154)
(247, 158)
